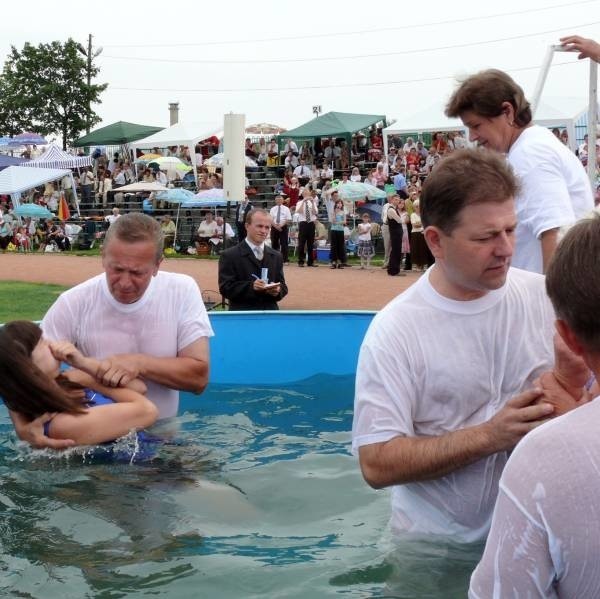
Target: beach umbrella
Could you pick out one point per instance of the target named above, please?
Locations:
(217, 160)
(216, 193)
(265, 129)
(142, 186)
(177, 196)
(148, 157)
(33, 210)
(355, 190)
(27, 138)
(170, 162)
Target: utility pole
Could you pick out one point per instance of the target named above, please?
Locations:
(90, 54)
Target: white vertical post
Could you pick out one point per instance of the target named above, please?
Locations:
(539, 86)
(234, 164)
(592, 122)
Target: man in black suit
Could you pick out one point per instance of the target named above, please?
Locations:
(241, 212)
(240, 267)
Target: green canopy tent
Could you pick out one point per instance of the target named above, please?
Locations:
(333, 124)
(117, 134)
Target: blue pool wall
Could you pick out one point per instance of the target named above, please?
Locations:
(257, 348)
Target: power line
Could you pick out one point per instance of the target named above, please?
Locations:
(331, 86)
(355, 57)
(357, 32)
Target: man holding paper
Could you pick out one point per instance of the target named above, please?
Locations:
(251, 273)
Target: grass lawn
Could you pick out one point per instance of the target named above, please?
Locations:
(28, 301)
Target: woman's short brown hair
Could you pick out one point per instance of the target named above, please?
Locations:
(573, 282)
(485, 92)
(465, 177)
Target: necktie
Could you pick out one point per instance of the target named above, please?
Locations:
(278, 219)
(307, 210)
(258, 251)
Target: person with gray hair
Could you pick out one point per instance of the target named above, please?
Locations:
(140, 322)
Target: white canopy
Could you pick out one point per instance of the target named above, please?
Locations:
(55, 157)
(180, 134)
(14, 180)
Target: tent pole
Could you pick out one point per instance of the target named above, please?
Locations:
(592, 122)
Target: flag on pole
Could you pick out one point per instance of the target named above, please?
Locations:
(63, 209)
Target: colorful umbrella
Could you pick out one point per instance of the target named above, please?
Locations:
(265, 129)
(33, 210)
(217, 160)
(148, 157)
(27, 138)
(178, 196)
(355, 190)
(168, 162)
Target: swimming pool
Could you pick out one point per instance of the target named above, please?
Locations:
(257, 495)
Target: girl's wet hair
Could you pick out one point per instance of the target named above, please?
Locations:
(23, 386)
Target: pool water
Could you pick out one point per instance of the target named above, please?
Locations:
(256, 495)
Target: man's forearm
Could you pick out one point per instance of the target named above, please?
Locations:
(183, 373)
(549, 241)
(410, 459)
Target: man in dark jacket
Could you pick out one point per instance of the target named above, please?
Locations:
(251, 273)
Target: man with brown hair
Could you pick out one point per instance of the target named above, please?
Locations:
(443, 386)
(546, 513)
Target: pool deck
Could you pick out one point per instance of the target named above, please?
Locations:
(309, 288)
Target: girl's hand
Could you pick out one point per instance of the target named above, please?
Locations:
(65, 351)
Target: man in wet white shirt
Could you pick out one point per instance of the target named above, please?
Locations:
(446, 370)
(544, 539)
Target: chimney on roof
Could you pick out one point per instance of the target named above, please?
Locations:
(173, 113)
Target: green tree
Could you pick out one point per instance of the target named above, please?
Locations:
(44, 88)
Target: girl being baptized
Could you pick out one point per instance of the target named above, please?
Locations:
(81, 409)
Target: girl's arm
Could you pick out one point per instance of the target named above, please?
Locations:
(65, 351)
(131, 410)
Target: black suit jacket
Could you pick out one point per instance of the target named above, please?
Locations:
(246, 210)
(236, 267)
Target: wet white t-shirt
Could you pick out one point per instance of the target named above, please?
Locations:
(555, 192)
(430, 365)
(169, 317)
(544, 540)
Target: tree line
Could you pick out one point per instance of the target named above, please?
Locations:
(44, 89)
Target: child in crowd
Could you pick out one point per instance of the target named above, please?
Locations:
(366, 249)
(22, 240)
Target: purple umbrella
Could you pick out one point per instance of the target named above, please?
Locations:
(27, 139)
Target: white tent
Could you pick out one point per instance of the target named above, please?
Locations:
(14, 180)
(180, 134)
(54, 157)
(551, 112)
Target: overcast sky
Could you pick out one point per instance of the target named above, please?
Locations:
(279, 59)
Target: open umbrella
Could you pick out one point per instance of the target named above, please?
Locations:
(355, 190)
(217, 160)
(216, 193)
(33, 210)
(176, 196)
(148, 157)
(27, 138)
(172, 162)
(265, 129)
